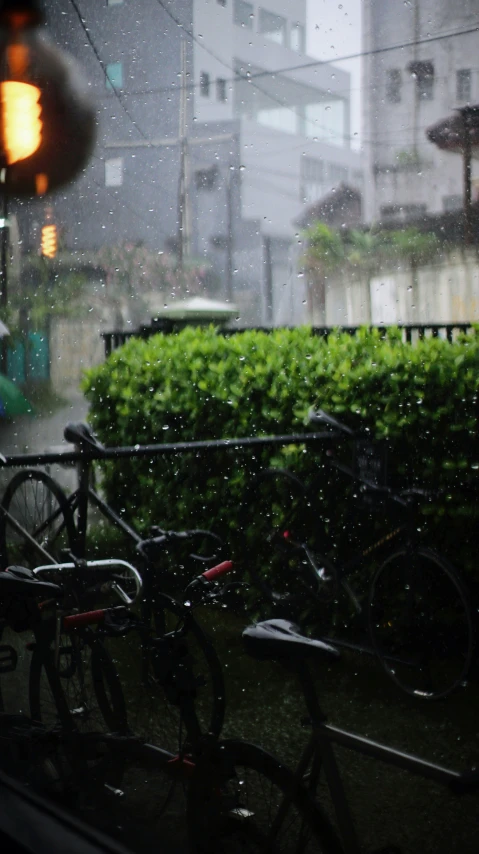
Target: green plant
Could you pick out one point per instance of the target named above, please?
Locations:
(422, 400)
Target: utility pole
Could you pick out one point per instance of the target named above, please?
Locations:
(268, 281)
(229, 235)
(467, 121)
(183, 224)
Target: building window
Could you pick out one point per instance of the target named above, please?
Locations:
(284, 119)
(393, 85)
(452, 203)
(220, 89)
(463, 84)
(243, 14)
(423, 73)
(297, 38)
(404, 213)
(206, 179)
(205, 84)
(114, 172)
(114, 79)
(273, 27)
(313, 180)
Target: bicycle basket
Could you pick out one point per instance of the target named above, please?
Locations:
(370, 466)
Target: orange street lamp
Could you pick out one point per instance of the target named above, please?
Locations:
(47, 121)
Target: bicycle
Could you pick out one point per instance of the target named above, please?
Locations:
(242, 794)
(417, 610)
(154, 711)
(65, 745)
(40, 522)
(174, 671)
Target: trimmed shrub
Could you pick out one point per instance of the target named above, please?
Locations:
(422, 399)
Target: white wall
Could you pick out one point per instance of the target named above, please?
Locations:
(445, 291)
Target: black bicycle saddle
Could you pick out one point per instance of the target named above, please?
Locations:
(282, 640)
(81, 434)
(22, 583)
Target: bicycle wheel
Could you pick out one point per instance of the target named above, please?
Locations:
(420, 623)
(279, 535)
(39, 506)
(173, 654)
(93, 693)
(234, 800)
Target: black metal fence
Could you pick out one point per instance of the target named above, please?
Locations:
(203, 446)
(410, 331)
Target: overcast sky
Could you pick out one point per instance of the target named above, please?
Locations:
(333, 30)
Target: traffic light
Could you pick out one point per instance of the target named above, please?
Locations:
(49, 241)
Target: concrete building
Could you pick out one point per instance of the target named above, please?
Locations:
(214, 127)
(431, 70)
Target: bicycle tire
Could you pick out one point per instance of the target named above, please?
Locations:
(276, 512)
(420, 623)
(151, 708)
(41, 508)
(93, 692)
(232, 801)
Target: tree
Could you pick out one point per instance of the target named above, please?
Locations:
(324, 253)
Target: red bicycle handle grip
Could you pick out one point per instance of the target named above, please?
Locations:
(88, 618)
(216, 571)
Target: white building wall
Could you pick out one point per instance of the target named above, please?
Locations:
(395, 132)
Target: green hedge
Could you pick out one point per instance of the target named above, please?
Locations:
(422, 399)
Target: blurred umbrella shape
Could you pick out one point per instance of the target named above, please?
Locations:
(12, 401)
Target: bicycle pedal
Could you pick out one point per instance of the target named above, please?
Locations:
(8, 659)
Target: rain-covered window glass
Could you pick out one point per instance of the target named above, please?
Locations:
(114, 2)
(114, 78)
(221, 89)
(423, 73)
(393, 85)
(297, 38)
(463, 84)
(273, 27)
(243, 14)
(114, 172)
(221, 2)
(205, 84)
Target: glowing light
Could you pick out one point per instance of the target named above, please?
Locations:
(21, 120)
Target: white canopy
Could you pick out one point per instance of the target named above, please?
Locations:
(199, 308)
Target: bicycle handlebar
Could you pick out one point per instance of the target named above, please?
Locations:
(217, 571)
(199, 589)
(110, 563)
(153, 546)
(319, 416)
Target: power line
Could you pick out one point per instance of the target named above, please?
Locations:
(249, 77)
(105, 69)
(373, 52)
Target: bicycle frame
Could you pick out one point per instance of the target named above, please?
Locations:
(319, 753)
